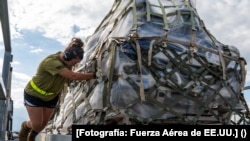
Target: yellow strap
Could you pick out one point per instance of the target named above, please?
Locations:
(37, 89)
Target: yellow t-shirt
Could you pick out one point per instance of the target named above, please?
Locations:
(47, 77)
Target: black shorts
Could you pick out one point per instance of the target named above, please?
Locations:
(32, 101)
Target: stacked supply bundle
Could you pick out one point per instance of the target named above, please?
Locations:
(156, 63)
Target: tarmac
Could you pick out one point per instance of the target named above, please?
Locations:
(47, 137)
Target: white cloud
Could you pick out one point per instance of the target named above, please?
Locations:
(15, 63)
(21, 76)
(36, 50)
(228, 22)
(57, 18)
(19, 81)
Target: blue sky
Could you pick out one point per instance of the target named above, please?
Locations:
(41, 27)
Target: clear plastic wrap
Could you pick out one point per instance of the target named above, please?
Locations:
(157, 63)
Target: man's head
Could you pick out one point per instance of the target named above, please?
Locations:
(74, 49)
(72, 53)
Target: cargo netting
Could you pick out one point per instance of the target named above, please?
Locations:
(156, 63)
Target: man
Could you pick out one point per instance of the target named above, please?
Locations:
(41, 94)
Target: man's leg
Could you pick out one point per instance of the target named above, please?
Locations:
(24, 132)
